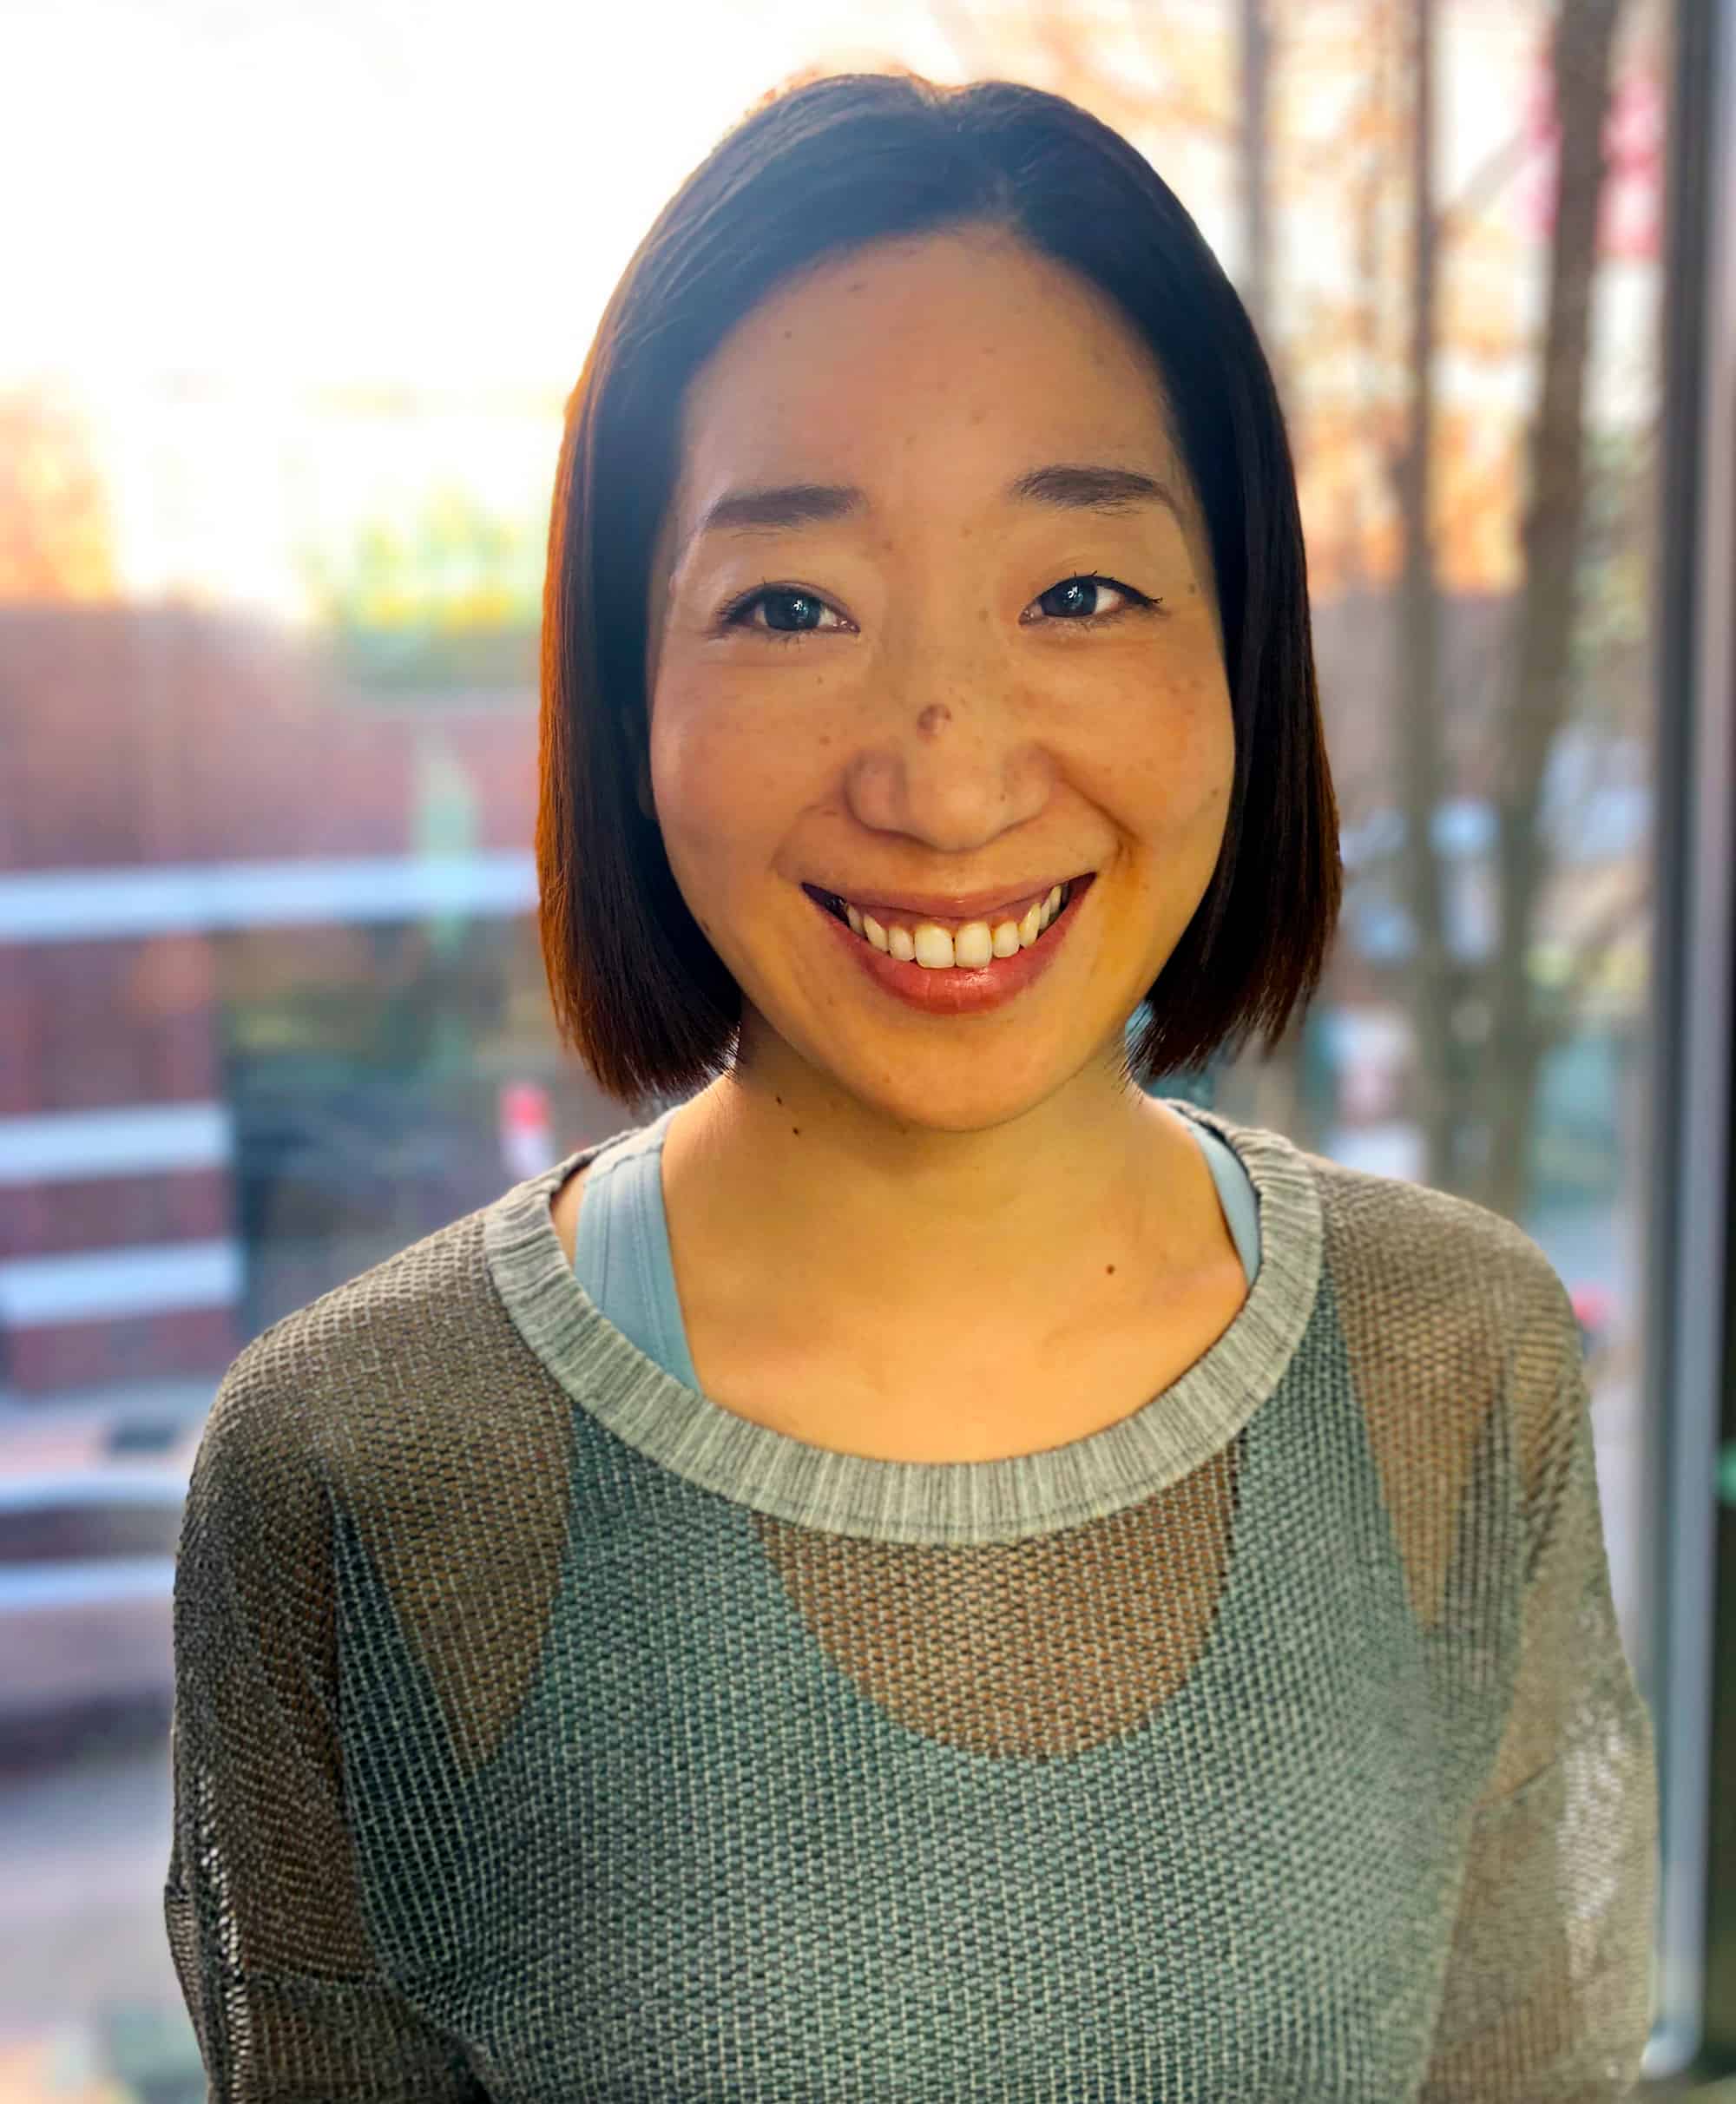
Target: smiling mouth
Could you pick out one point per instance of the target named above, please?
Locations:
(840, 908)
(970, 944)
(891, 914)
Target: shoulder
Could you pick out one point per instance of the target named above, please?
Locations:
(1444, 1309)
(1425, 1248)
(387, 1355)
(1449, 1319)
(401, 1413)
(439, 1285)
(1449, 1311)
(1414, 1246)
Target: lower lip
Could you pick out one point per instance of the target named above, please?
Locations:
(960, 989)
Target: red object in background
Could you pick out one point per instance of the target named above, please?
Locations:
(1593, 1307)
(527, 1128)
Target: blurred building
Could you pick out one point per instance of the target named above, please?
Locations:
(176, 780)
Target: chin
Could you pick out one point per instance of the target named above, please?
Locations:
(960, 1094)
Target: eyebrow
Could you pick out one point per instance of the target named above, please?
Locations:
(1065, 485)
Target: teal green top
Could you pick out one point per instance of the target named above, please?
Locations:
(547, 1732)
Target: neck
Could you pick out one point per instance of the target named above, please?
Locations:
(1043, 1219)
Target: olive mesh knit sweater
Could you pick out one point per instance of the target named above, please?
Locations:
(545, 1732)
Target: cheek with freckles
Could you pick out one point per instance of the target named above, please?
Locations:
(1165, 759)
(728, 791)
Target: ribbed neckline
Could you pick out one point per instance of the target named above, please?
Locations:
(949, 1502)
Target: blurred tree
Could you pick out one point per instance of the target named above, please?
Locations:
(1527, 1019)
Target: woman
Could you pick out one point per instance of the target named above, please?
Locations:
(925, 1571)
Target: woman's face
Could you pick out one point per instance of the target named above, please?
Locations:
(915, 703)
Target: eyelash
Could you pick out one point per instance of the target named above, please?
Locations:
(731, 615)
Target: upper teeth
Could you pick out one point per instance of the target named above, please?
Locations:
(973, 944)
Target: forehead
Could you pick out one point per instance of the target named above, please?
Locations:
(966, 345)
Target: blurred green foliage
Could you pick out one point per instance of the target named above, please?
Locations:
(449, 595)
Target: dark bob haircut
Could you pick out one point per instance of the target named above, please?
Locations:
(638, 991)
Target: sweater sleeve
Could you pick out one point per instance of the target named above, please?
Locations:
(1549, 1986)
(262, 1900)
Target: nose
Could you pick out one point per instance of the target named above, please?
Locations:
(952, 771)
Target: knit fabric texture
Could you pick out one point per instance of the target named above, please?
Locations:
(545, 1732)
